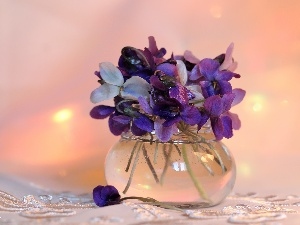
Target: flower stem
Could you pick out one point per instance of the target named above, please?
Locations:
(167, 158)
(198, 186)
(150, 164)
(136, 159)
(131, 155)
(200, 140)
(155, 153)
(178, 149)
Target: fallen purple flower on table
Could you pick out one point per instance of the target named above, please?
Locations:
(106, 195)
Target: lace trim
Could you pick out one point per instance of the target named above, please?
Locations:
(237, 209)
(45, 206)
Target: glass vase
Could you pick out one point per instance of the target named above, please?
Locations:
(192, 168)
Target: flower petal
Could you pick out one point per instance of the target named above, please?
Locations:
(179, 93)
(106, 195)
(222, 127)
(182, 72)
(135, 87)
(145, 105)
(101, 111)
(111, 74)
(122, 119)
(166, 109)
(228, 58)
(155, 82)
(233, 66)
(191, 115)
(164, 133)
(239, 96)
(196, 91)
(236, 122)
(208, 68)
(172, 121)
(115, 127)
(227, 100)
(152, 45)
(188, 55)
(137, 131)
(227, 126)
(195, 73)
(207, 88)
(214, 105)
(104, 92)
(225, 87)
(224, 75)
(97, 196)
(168, 69)
(217, 127)
(144, 123)
(204, 119)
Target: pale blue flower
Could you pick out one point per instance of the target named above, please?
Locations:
(114, 85)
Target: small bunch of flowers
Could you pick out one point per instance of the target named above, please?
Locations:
(156, 94)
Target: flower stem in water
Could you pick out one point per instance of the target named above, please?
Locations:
(150, 164)
(131, 155)
(167, 158)
(198, 186)
(136, 159)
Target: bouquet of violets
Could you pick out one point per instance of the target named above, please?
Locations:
(154, 94)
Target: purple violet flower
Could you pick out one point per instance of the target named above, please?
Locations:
(173, 112)
(106, 195)
(221, 123)
(124, 117)
(101, 111)
(162, 132)
(152, 93)
(212, 80)
(138, 123)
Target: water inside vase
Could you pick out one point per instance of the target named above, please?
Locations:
(179, 171)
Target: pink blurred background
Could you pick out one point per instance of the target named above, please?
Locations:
(50, 50)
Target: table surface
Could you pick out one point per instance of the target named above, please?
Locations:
(22, 202)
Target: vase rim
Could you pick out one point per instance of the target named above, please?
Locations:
(204, 134)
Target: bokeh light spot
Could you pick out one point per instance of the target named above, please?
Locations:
(145, 186)
(62, 115)
(257, 107)
(257, 102)
(244, 169)
(216, 11)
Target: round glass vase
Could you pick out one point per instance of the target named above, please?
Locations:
(191, 169)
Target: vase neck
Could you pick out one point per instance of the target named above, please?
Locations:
(186, 134)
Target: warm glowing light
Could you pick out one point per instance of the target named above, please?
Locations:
(257, 107)
(205, 157)
(258, 102)
(147, 187)
(62, 115)
(244, 169)
(216, 11)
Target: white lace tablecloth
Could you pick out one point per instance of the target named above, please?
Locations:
(24, 203)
